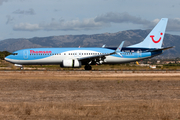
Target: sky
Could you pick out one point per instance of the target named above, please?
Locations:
(43, 18)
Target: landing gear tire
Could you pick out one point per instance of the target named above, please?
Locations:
(88, 67)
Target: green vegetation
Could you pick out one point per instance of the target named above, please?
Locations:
(172, 64)
(3, 54)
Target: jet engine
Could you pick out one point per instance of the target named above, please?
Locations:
(71, 63)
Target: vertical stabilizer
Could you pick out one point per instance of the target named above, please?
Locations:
(155, 37)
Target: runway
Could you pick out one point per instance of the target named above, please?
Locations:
(93, 95)
(83, 74)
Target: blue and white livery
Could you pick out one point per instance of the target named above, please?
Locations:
(75, 57)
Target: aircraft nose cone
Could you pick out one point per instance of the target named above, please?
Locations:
(6, 59)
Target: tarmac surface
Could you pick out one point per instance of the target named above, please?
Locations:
(89, 95)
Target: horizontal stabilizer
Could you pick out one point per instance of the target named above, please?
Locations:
(161, 49)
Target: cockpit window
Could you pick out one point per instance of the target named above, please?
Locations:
(14, 53)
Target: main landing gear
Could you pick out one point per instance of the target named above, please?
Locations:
(88, 67)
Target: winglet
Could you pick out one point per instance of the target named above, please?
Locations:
(120, 47)
(103, 45)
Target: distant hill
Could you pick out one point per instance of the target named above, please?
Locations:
(97, 40)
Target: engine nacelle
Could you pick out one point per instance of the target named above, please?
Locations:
(18, 65)
(71, 63)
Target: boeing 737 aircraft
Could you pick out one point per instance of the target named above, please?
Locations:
(75, 57)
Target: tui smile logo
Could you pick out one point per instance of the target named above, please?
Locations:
(152, 37)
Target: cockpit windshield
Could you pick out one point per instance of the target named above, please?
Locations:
(14, 54)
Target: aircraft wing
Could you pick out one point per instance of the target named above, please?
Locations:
(103, 55)
(96, 56)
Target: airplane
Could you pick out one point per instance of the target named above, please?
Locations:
(76, 57)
